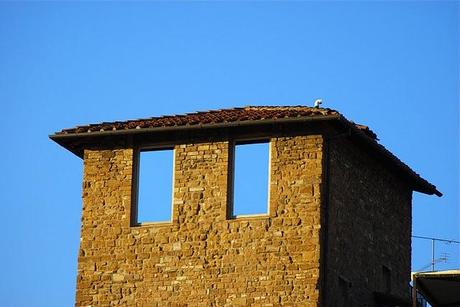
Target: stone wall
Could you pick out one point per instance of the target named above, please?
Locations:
(369, 226)
(202, 257)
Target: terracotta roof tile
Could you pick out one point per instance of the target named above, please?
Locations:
(244, 114)
(249, 113)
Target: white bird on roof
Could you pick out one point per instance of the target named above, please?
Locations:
(318, 102)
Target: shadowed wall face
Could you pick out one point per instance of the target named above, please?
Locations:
(369, 226)
(202, 256)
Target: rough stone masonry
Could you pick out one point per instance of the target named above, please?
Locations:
(337, 232)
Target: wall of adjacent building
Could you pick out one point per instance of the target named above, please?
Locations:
(369, 226)
(202, 257)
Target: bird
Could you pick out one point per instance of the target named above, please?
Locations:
(318, 102)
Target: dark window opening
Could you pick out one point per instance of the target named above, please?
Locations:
(386, 279)
(344, 292)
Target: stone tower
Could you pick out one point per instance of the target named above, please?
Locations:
(337, 231)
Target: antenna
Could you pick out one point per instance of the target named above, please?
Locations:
(444, 257)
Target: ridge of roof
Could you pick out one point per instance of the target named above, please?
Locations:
(240, 114)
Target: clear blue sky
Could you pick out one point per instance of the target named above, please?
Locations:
(393, 66)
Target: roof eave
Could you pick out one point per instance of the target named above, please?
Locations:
(66, 139)
(418, 184)
(57, 136)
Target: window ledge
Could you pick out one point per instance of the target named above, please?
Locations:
(249, 216)
(159, 223)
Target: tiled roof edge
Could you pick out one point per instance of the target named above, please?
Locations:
(242, 116)
(239, 114)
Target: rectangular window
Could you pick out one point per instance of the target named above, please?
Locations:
(250, 178)
(155, 186)
(344, 292)
(386, 279)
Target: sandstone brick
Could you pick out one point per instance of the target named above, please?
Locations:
(204, 258)
(213, 252)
